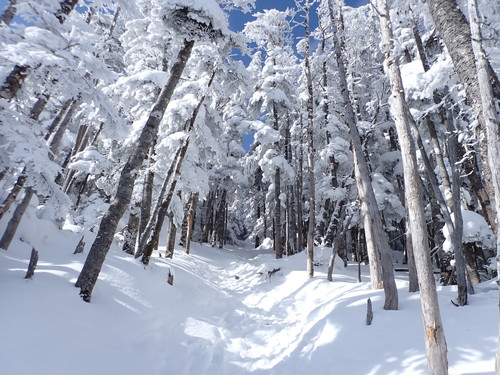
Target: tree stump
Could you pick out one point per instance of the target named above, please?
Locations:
(369, 312)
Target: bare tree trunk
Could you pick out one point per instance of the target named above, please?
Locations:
(93, 264)
(60, 115)
(207, 225)
(147, 192)
(277, 214)
(56, 139)
(492, 123)
(16, 189)
(412, 270)
(32, 264)
(39, 106)
(13, 82)
(300, 218)
(9, 12)
(435, 340)
(381, 272)
(172, 232)
(66, 7)
(220, 219)
(453, 28)
(146, 244)
(457, 214)
(132, 229)
(14, 222)
(190, 221)
(310, 147)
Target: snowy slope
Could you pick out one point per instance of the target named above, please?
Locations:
(223, 315)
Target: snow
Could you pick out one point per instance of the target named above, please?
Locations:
(475, 229)
(225, 314)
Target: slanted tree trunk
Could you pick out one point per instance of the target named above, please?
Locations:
(435, 340)
(381, 271)
(32, 264)
(66, 7)
(39, 106)
(93, 264)
(14, 222)
(16, 189)
(491, 121)
(9, 12)
(147, 242)
(55, 140)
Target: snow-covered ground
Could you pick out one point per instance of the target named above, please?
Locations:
(223, 315)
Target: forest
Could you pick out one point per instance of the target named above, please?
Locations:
(159, 136)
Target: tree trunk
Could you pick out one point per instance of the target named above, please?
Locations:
(55, 122)
(277, 214)
(39, 106)
(66, 7)
(310, 148)
(492, 123)
(457, 213)
(379, 252)
(158, 216)
(14, 222)
(453, 28)
(56, 139)
(9, 12)
(190, 221)
(132, 229)
(16, 189)
(93, 264)
(147, 192)
(172, 232)
(32, 264)
(435, 340)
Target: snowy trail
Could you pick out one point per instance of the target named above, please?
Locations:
(223, 315)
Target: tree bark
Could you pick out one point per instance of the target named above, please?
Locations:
(379, 252)
(492, 123)
(132, 229)
(9, 12)
(310, 148)
(456, 34)
(14, 222)
(172, 232)
(190, 221)
(435, 340)
(93, 264)
(146, 244)
(39, 106)
(32, 264)
(16, 189)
